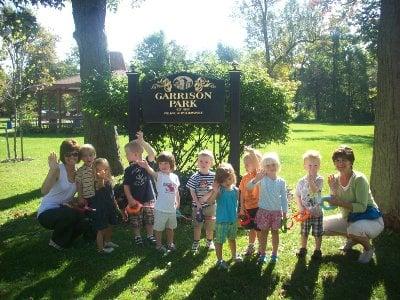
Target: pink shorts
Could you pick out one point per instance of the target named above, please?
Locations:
(268, 219)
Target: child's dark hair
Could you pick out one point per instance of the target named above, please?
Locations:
(344, 152)
(223, 172)
(167, 157)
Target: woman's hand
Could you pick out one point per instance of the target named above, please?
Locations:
(53, 161)
(333, 184)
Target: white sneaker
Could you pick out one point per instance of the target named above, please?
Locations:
(111, 245)
(210, 245)
(237, 258)
(55, 246)
(348, 245)
(106, 250)
(366, 256)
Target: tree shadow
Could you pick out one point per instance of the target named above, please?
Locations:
(36, 270)
(242, 280)
(353, 280)
(388, 260)
(344, 139)
(178, 267)
(12, 201)
(303, 280)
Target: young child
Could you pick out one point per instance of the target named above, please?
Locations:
(249, 198)
(84, 177)
(105, 206)
(138, 188)
(200, 184)
(308, 193)
(272, 205)
(226, 195)
(167, 184)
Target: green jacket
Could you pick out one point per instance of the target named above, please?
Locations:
(358, 193)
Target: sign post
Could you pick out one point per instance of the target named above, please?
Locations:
(133, 104)
(234, 146)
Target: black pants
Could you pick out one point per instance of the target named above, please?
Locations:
(67, 223)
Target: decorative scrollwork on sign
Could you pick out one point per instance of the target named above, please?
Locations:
(201, 83)
(164, 83)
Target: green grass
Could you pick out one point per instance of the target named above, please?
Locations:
(29, 268)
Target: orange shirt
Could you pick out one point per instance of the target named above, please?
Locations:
(250, 197)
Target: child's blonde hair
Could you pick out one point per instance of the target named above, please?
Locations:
(271, 158)
(312, 154)
(134, 147)
(86, 149)
(104, 162)
(248, 155)
(207, 153)
(223, 172)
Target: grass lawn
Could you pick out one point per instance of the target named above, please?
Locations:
(30, 269)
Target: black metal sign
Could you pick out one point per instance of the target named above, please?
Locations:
(184, 97)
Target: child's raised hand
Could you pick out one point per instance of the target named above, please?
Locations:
(260, 175)
(143, 163)
(53, 161)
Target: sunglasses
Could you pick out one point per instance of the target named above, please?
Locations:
(75, 154)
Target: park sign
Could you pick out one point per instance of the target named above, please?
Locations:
(184, 98)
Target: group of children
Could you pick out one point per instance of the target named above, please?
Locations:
(262, 195)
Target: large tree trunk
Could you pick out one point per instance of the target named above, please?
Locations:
(89, 18)
(385, 176)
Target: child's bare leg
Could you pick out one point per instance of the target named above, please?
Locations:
(149, 229)
(136, 231)
(158, 235)
(318, 242)
(107, 234)
(304, 239)
(170, 235)
(275, 241)
(196, 232)
(262, 241)
(209, 226)
(100, 240)
(252, 236)
(218, 250)
(232, 245)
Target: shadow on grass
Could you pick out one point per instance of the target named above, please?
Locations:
(303, 280)
(343, 139)
(12, 201)
(242, 280)
(33, 269)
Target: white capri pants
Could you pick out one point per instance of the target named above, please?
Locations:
(363, 228)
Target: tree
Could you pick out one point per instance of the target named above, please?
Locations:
(385, 179)
(226, 53)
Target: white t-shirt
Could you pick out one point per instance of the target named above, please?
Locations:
(61, 192)
(309, 200)
(167, 188)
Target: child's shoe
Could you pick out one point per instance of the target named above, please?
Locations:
(106, 250)
(222, 265)
(317, 255)
(138, 240)
(250, 250)
(237, 258)
(262, 258)
(195, 247)
(301, 253)
(171, 247)
(151, 240)
(55, 246)
(163, 251)
(210, 245)
(274, 258)
(111, 245)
